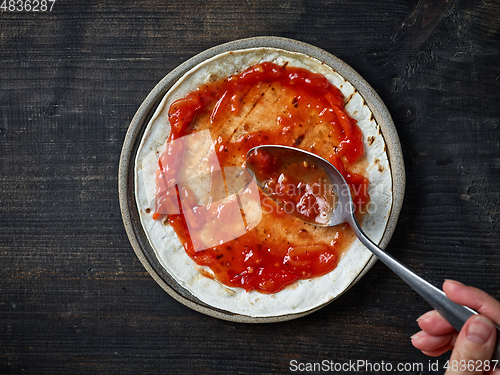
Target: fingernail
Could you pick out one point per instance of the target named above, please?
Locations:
(428, 314)
(480, 330)
(454, 281)
(416, 336)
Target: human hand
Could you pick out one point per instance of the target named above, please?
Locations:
(475, 342)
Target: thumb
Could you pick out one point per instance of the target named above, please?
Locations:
(474, 346)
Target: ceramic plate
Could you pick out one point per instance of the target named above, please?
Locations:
(129, 209)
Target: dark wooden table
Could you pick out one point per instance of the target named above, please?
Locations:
(74, 298)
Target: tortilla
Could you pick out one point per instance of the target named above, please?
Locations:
(304, 295)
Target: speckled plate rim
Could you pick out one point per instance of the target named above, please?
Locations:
(139, 122)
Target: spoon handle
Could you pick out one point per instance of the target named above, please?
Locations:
(454, 313)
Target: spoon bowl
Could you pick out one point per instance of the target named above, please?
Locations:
(310, 170)
(299, 163)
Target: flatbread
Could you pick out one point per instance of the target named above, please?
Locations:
(303, 295)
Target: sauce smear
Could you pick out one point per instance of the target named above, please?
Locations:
(265, 104)
(295, 182)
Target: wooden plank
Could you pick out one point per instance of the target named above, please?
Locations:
(73, 296)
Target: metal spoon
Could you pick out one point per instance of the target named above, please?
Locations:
(343, 211)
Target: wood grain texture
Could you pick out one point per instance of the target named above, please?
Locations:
(73, 296)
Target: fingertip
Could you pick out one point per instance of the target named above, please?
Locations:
(433, 323)
(476, 340)
(479, 330)
(449, 285)
(417, 336)
(452, 282)
(438, 352)
(418, 341)
(427, 315)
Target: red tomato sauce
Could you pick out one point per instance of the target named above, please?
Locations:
(296, 182)
(255, 260)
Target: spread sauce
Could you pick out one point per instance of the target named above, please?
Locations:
(265, 104)
(295, 181)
